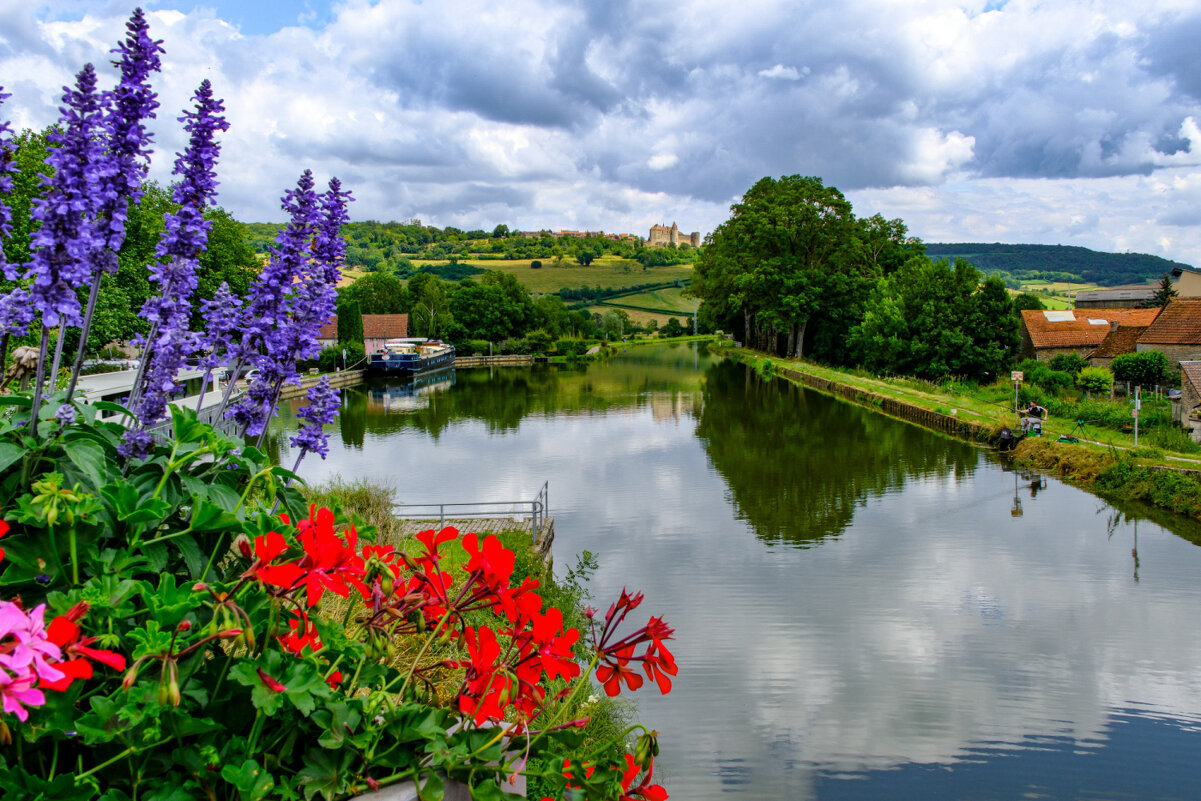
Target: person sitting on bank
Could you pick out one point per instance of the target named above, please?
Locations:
(1033, 416)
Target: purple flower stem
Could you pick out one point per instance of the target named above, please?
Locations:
(93, 294)
(229, 387)
(58, 356)
(37, 387)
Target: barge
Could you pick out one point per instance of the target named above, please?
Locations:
(411, 357)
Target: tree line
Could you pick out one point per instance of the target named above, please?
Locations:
(393, 247)
(794, 272)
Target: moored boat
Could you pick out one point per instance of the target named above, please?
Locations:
(411, 356)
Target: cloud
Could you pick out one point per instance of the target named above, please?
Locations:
(683, 104)
(783, 73)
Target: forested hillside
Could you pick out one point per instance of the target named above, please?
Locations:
(1017, 263)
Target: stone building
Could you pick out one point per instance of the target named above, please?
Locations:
(1046, 334)
(662, 235)
(1176, 331)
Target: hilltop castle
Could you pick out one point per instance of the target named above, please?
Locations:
(662, 235)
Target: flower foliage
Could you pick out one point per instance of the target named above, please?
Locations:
(175, 622)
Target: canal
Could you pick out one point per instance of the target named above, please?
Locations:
(863, 609)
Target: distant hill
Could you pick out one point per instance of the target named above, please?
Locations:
(1018, 263)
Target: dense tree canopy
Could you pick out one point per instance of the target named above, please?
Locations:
(932, 319)
(793, 262)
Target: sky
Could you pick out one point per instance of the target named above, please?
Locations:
(1061, 122)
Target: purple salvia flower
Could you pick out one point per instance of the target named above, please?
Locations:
(330, 248)
(67, 234)
(16, 312)
(136, 444)
(8, 165)
(269, 340)
(222, 316)
(321, 411)
(65, 414)
(128, 106)
(184, 239)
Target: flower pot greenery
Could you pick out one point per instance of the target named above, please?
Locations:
(166, 630)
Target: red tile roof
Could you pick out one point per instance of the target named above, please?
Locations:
(1121, 341)
(375, 326)
(1079, 328)
(1179, 324)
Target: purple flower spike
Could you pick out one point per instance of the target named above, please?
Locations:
(137, 444)
(322, 409)
(67, 233)
(222, 316)
(184, 239)
(270, 338)
(8, 165)
(16, 312)
(128, 106)
(65, 414)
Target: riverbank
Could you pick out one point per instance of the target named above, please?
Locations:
(1112, 469)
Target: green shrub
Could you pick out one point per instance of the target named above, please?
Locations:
(330, 359)
(1068, 363)
(1095, 380)
(571, 347)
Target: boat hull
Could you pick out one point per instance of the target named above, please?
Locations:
(409, 363)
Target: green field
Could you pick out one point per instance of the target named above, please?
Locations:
(608, 272)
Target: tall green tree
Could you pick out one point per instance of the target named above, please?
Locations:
(785, 251)
(377, 293)
(350, 323)
(1163, 293)
(931, 319)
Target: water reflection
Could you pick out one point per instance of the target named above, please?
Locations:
(798, 465)
(927, 643)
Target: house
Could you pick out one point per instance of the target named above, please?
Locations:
(377, 329)
(1188, 411)
(1046, 334)
(1121, 339)
(1186, 281)
(1176, 331)
(1120, 297)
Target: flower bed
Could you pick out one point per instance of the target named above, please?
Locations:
(163, 633)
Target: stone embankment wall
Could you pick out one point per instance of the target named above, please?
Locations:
(945, 423)
(346, 378)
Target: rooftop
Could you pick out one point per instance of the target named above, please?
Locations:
(1178, 324)
(1081, 328)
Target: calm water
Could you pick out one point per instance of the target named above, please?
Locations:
(863, 610)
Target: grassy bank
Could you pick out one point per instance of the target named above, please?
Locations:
(1103, 460)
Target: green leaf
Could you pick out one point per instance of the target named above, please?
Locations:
(208, 516)
(193, 557)
(109, 406)
(325, 772)
(432, 790)
(22, 401)
(9, 453)
(89, 458)
(264, 699)
(252, 781)
(224, 497)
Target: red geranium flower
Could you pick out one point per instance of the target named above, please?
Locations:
(616, 669)
(64, 632)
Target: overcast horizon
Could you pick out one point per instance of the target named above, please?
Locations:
(1071, 123)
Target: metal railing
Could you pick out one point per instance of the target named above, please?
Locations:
(535, 510)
